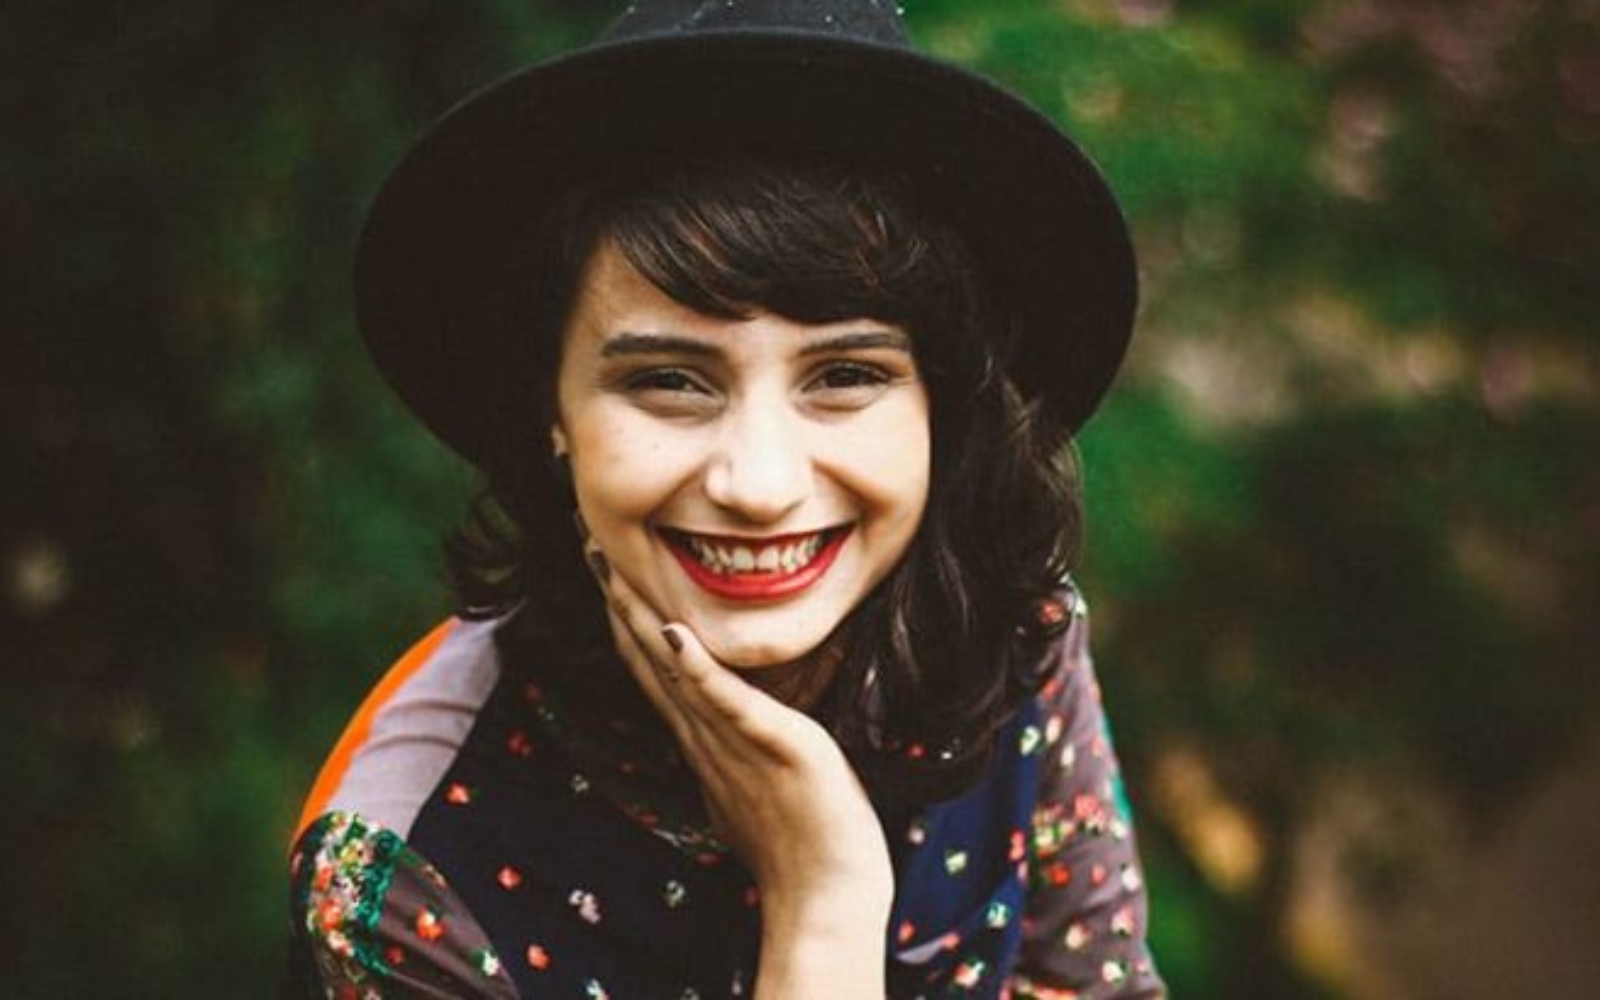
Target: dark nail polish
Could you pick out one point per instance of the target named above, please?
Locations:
(597, 563)
(673, 638)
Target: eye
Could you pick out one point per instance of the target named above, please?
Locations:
(664, 380)
(850, 375)
(848, 385)
(670, 391)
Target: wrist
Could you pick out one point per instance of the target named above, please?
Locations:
(823, 944)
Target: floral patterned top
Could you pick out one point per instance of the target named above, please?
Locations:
(453, 847)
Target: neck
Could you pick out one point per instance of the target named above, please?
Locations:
(800, 683)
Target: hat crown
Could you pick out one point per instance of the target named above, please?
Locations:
(443, 253)
(862, 20)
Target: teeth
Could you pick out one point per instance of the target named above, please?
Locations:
(726, 559)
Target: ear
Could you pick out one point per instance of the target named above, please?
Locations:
(558, 441)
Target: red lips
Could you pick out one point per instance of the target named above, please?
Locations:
(757, 584)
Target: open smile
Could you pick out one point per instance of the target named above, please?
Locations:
(755, 568)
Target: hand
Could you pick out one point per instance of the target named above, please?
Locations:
(780, 791)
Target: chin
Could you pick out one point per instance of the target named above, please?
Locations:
(753, 655)
(761, 645)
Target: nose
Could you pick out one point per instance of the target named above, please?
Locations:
(762, 467)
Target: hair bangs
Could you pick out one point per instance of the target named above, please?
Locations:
(812, 246)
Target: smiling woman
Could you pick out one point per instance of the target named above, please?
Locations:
(708, 454)
(769, 675)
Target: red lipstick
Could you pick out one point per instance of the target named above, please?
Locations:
(756, 584)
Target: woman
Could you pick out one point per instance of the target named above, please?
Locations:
(769, 680)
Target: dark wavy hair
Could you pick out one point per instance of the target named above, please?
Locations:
(938, 658)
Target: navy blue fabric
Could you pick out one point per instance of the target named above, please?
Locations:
(616, 910)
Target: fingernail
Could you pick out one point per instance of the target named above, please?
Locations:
(598, 564)
(673, 638)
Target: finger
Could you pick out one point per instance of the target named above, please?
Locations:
(659, 670)
(713, 687)
(621, 610)
(687, 683)
(635, 617)
(707, 750)
(726, 701)
(648, 674)
(624, 613)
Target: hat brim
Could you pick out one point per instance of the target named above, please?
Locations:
(1035, 211)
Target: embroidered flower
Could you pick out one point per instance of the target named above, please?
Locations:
(429, 924)
(1122, 922)
(1028, 743)
(1078, 936)
(997, 915)
(587, 904)
(1132, 881)
(674, 894)
(487, 962)
(968, 973)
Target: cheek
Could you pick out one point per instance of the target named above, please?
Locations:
(622, 472)
(908, 458)
(889, 466)
(910, 495)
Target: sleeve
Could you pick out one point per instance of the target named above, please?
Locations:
(1085, 918)
(371, 919)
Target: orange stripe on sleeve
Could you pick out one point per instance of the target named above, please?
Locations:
(360, 726)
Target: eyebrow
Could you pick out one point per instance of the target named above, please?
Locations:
(632, 344)
(629, 344)
(864, 341)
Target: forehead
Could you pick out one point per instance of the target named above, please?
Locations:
(610, 288)
(618, 311)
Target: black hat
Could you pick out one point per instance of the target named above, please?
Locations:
(804, 78)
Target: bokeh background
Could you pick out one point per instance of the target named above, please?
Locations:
(1345, 504)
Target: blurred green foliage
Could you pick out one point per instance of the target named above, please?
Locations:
(1343, 504)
